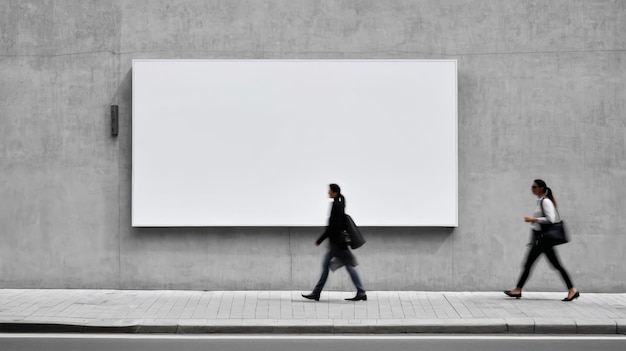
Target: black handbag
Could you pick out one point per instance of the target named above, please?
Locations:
(354, 237)
(554, 233)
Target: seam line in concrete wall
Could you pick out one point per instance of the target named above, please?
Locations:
(290, 260)
(119, 176)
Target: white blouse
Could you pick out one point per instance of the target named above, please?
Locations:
(549, 214)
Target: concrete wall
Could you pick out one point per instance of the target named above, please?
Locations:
(541, 95)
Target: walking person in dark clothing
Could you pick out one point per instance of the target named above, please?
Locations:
(545, 213)
(338, 247)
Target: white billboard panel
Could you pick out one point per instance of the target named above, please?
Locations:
(256, 142)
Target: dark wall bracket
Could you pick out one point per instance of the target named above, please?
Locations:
(114, 120)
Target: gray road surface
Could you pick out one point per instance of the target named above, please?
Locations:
(118, 342)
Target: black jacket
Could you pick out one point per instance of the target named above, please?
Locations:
(336, 226)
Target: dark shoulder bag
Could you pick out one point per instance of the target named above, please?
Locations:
(354, 237)
(554, 232)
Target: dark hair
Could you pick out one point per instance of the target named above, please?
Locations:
(541, 184)
(336, 189)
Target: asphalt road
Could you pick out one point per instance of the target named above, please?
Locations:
(119, 342)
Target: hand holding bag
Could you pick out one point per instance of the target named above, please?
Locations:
(555, 233)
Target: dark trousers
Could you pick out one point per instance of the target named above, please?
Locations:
(534, 253)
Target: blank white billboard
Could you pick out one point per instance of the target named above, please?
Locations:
(256, 142)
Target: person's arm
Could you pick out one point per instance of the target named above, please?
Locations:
(549, 212)
(334, 221)
(322, 237)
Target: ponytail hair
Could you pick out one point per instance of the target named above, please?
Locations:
(541, 184)
(336, 189)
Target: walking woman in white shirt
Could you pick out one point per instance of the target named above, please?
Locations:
(541, 245)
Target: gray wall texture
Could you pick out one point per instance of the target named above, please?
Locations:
(542, 94)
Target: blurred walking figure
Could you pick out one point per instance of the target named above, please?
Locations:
(545, 213)
(338, 247)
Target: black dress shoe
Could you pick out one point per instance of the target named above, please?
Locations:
(358, 297)
(312, 296)
(517, 296)
(576, 295)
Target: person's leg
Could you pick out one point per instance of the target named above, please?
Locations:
(533, 254)
(355, 279)
(552, 257)
(325, 268)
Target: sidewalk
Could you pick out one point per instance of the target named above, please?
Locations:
(167, 311)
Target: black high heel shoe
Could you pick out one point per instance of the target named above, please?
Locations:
(312, 296)
(358, 297)
(517, 296)
(576, 295)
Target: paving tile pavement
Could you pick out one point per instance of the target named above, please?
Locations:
(170, 311)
